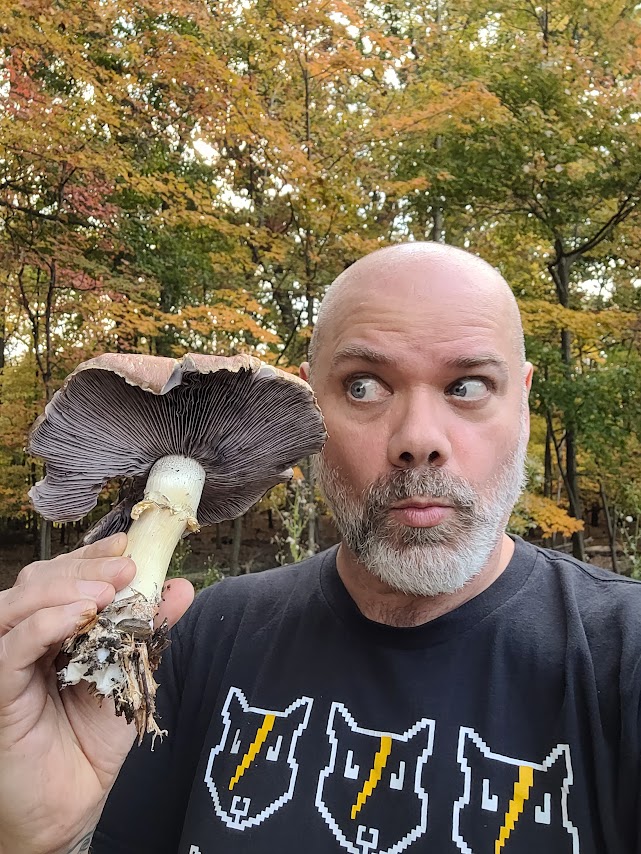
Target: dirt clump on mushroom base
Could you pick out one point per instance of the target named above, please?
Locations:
(196, 441)
(123, 655)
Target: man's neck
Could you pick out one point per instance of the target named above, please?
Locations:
(380, 603)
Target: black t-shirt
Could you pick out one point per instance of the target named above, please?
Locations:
(297, 725)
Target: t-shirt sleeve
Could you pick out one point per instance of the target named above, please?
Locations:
(628, 794)
(633, 751)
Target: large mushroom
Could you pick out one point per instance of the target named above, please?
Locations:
(197, 441)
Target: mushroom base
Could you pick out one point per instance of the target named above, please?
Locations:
(116, 654)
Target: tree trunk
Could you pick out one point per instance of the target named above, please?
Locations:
(3, 321)
(311, 508)
(438, 220)
(2, 340)
(438, 214)
(549, 439)
(609, 521)
(547, 476)
(234, 562)
(576, 509)
(560, 271)
(310, 502)
(48, 321)
(44, 551)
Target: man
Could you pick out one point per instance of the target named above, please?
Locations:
(432, 685)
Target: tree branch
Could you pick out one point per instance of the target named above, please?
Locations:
(69, 219)
(557, 450)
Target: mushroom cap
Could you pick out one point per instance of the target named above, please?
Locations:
(245, 422)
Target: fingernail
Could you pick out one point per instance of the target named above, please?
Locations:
(115, 566)
(92, 588)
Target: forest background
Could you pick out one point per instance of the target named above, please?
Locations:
(190, 175)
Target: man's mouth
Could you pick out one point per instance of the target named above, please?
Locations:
(421, 512)
(420, 502)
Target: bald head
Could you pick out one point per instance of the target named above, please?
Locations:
(420, 271)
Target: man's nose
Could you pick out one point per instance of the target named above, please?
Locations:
(419, 435)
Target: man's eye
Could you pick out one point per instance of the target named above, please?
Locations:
(367, 389)
(469, 388)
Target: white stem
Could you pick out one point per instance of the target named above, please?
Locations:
(172, 495)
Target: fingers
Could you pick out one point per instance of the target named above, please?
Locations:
(95, 571)
(32, 638)
(51, 599)
(21, 601)
(177, 596)
(99, 561)
(112, 546)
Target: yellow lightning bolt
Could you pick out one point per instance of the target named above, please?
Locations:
(254, 748)
(380, 761)
(521, 794)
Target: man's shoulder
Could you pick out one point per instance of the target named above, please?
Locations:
(598, 594)
(587, 573)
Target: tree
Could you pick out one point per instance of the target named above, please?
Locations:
(553, 169)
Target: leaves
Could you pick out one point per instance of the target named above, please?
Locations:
(536, 512)
(193, 176)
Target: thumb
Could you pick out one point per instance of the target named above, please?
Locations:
(177, 595)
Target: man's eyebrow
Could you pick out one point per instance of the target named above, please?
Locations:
(363, 354)
(460, 363)
(483, 360)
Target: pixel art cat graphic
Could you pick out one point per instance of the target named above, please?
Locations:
(252, 771)
(511, 805)
(370, 793)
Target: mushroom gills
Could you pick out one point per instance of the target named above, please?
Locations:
(118, 652)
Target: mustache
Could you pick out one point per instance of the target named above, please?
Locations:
(420, 483)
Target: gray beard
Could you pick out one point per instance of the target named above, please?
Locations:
(424, 561)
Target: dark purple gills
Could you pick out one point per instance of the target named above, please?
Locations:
(247, 427)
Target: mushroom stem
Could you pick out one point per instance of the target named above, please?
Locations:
(172, 495)
(117, 652)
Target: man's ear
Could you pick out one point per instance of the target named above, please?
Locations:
(528, 374)
(303, 371)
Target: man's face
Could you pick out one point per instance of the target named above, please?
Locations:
(423, 394)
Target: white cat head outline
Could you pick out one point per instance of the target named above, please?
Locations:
(239, 815)
(365, 838)
(525, 775)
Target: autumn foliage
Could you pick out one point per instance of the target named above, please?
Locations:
(179, 175)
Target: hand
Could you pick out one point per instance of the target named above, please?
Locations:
(60, 752)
